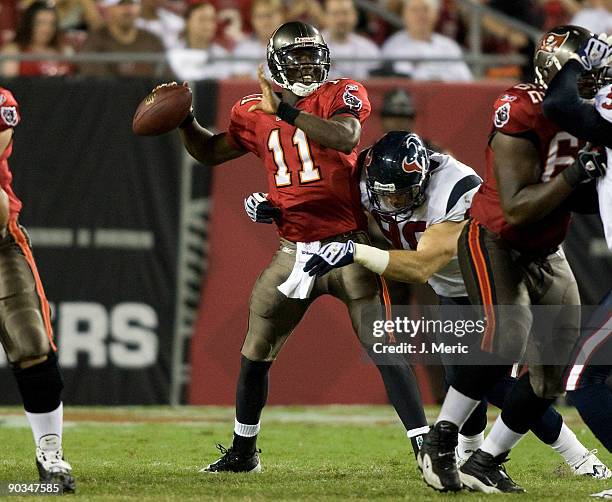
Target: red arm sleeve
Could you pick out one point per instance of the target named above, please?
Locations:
(9, 110)
(242, 128)
(350, 99)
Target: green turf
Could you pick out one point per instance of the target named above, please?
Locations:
(322, 453)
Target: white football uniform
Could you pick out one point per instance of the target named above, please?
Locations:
(603, 104)
(448, 196)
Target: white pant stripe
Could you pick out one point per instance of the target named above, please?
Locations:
(588, 349)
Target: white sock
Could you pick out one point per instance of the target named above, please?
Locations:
(500, 439)
(568, 446)
(469, 444)
(245, 430)
(456, 408)
(43, 424)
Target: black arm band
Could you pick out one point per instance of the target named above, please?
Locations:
(188, 120)
(287, 112)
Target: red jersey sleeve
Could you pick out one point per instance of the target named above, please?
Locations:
(242, 128)
(348, 98)
(515, 112)
(9, 110)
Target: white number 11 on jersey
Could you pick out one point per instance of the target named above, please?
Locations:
(308, 172)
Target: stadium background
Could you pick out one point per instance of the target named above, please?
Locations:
(148, 258)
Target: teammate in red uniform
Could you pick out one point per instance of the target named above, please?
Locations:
(25, 326)
(307, 142)
(509, 255)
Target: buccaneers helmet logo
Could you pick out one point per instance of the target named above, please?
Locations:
(413, 163)
(553, 42)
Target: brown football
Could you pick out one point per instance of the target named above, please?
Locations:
(163, 110)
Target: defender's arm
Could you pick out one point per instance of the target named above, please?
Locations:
(564, 106)
(437, 247)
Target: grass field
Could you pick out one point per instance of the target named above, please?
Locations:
(323, 453)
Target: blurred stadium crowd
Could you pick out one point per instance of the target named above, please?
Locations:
(226, 38)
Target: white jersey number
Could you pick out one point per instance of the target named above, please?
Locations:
(561, 154)
(393, 233)
(309, 172)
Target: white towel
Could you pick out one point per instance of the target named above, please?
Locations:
(299, 284)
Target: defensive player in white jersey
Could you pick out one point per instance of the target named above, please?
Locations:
(420, 198)
(603, 104)
(589, 381)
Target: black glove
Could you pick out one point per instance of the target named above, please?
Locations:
(260, 210)
(590, 164)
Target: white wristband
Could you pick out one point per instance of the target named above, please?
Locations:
(372, 258)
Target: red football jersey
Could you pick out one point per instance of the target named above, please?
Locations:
(518, 112)
(316, 188)
(9, 118)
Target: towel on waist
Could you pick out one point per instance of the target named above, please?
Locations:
(299, 284)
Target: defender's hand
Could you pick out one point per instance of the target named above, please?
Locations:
(330, 256)
(260, 210)
(595, 53)
(590, 163)
(269, 101)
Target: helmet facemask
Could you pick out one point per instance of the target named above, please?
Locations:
(589, 83)
(301, 69)
(397, 204)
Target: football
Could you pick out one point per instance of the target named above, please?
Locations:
(162, 110)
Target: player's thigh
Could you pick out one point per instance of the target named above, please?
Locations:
(272, 316)
(24, 332)
(493, 277)
(552, 282)
(557, 317)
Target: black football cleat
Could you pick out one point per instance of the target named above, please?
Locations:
(436, 458)
(52, 468)
(485, 473)
(233, 461)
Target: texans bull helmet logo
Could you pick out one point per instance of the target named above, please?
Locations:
(415, 161)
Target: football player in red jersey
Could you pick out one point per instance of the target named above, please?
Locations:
(307, 140)
(509, 255)
(25, 326)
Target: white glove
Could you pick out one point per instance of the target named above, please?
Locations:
(331, 255)
(595, 53)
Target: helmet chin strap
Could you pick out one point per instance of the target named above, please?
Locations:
(303, 90)
(539, 78)
(297, 88)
